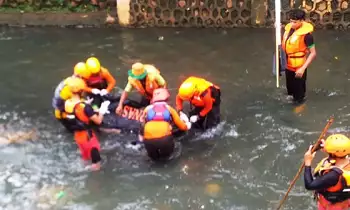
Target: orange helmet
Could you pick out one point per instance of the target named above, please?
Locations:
(160, 94)
(81, 70)
(338, 145)
(75, 84)
(187, 90)
(93, 65)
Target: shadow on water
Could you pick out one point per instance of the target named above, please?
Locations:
(245, 163)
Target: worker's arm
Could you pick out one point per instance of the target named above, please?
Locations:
(92, 115)
(160, 80)
(123, 97)
(109, 78)
(208, 104)
(176, 118)
(179, 102)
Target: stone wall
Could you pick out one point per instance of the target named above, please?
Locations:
(235, 13)
(200, 13)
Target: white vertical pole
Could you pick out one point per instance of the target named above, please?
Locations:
(278, 37)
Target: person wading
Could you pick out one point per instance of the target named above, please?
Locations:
(331, 178)
(299, 46)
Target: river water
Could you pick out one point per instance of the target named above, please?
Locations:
(245, 163)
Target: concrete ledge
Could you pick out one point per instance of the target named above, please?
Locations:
(63, 19)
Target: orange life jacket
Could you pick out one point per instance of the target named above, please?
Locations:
(85, 134)
(158, 120)
(294, 46)
(339, 192)
(80, 113)
(150, 86)
(203, 87)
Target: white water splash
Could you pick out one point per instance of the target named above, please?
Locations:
(4, 38)
(210, 133)
(232, 132)
(344, 129)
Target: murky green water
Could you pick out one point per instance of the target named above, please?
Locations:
(252, 155)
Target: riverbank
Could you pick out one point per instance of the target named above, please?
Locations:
(58, 19)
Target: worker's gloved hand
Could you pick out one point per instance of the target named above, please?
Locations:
(184, 117)
(89, 100)
(194, 118)
(189, 125)
(70, 116)
(96, 91)
(103, 92)
(104, 107)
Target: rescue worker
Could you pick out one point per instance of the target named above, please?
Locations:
(332, 175)
(299, 47)
(156, 133)
(100, 82)
(64, 91)
(204, 98)
(145, 79)
(85, 137)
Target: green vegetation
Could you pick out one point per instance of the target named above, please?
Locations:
(47, 5)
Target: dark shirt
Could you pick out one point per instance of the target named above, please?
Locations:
(89, 111)
(322, 182)
(308, 38)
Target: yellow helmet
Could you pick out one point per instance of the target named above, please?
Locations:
(75, 84)
(81, 70)
(93, 65)
(338, 145)
(70, 104)
(186, 90)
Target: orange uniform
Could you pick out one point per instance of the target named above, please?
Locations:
(331, 180)
(158, 118)
(86, 139)
(333, 198)
(199, 93)
(205, 97)
(101, 80)
(157, 131)
(294, 45)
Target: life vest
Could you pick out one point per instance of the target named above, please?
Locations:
(150, 85)
(157, 124)
(294, 46)
(62, 93)
(158, 112)
(339, 192)
(80, 116)
(202, 87)
(97, 80)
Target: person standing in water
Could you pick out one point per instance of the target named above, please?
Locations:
(85, 137)
(100, 82)
(204, 98)
(145, 79)
(298, 44)
(65, 90)
(157, 132)
(331, 179)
